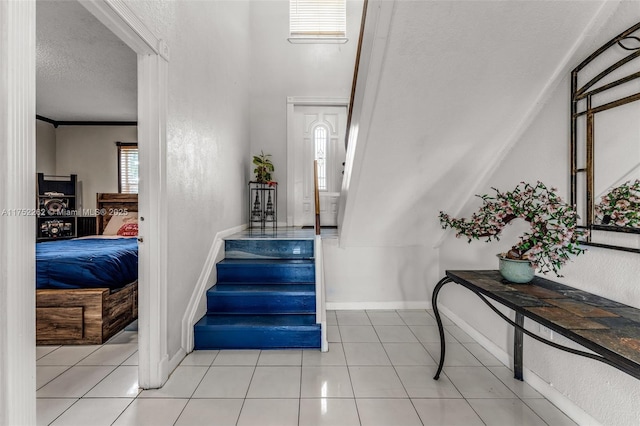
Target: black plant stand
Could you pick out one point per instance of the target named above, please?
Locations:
(263, 205)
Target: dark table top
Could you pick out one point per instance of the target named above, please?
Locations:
(608, 328)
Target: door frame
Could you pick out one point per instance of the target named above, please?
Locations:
(153, 66)
(17, 185)
(292, 102)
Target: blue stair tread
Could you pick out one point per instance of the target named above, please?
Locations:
(261, 299)
(253, 289)
(262, 271)
(246, 320)
(222, 337)
(261, 262)
(268, 249)
(276, 284)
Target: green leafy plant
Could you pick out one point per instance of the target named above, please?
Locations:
(620, 206)
(264, 167)
(553, 236)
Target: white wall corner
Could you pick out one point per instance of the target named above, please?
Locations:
(197, 307)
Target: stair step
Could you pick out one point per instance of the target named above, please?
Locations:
(262, 288)
(268, 249)
(266, 271)
(258, 284)
(261, 298)
(256, 332)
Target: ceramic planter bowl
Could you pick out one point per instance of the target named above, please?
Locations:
(516, 271)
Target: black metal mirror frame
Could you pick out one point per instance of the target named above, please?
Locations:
(629, 42)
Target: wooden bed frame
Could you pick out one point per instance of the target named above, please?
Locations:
(91, 315)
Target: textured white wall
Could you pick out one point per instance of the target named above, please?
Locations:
(377, 277)
(458, 80)
(45, 148)
(542, 153)
(281, 69)
(207, 133)
(91, 153)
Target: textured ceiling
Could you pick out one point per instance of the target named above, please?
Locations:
(84, 72)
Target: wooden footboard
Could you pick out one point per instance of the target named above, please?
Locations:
(83, 316)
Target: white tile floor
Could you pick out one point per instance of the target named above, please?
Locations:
(378, 371)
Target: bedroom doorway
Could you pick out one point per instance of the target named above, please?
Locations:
(17, 116)
(84, 106)
(17, 51)
(152, 65)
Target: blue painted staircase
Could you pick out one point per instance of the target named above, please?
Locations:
(264, 299)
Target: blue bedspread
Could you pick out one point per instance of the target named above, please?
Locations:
(87, 263)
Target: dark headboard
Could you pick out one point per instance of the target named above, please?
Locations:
(109, 202)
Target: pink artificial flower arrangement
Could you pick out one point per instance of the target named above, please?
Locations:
(620, 206)
(554, 233)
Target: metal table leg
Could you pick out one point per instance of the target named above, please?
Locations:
(434, 303)
(518, 339)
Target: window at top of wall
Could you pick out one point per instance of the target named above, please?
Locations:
(317, 21)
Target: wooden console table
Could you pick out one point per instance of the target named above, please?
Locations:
(608, 328)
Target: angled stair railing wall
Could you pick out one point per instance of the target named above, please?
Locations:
(354, 82)
(321, 310)
(316, 193)
(376, 19)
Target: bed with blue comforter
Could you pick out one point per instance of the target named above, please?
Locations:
(87, 263)
(87, 288)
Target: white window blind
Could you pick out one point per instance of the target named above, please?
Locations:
(317, 18)
(127, 168)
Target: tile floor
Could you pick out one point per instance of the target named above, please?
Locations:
(378, 371)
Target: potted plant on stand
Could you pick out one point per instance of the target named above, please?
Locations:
(263, 195)
(264, 167)
(546, 247)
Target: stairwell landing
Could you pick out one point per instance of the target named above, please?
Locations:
(265, 296)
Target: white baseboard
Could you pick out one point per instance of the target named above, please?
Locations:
(348, 306)
(568, 407)
(176, 359)
(494, 349)
(164, 371)
(196, 307)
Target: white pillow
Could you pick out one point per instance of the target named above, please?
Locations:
(116, 222)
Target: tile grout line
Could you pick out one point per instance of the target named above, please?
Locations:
(196, 387)
(396, 371)
(504, 382)
(76, 365)
(493, 374)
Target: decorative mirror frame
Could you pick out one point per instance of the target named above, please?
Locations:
(583, 104)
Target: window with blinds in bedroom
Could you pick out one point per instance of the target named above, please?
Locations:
(127, 167)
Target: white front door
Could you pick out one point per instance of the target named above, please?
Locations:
(316, 133)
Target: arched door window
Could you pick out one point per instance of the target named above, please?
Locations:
(320, 142)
